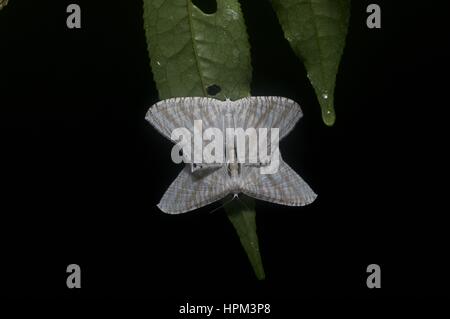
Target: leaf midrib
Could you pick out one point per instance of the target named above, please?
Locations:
(316, 30)
(196, 57)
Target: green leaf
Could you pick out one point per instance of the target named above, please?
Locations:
(316, 30)
(191, 51)
(242, 216)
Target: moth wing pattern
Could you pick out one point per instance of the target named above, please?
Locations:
(190, 191)
(267, 112)
(169, 114)
(284, 187)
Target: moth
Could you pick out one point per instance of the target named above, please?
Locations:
(198, 185)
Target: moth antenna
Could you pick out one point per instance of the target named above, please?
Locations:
(224, 204)
(235, 196)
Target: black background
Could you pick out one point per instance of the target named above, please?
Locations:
(81, 170)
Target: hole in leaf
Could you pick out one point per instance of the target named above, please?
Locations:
(213, 89)
(207, 6)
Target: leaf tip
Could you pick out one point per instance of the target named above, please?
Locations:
(328, 116)
(261, 275)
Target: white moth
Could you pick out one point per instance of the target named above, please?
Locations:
(193, 189)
